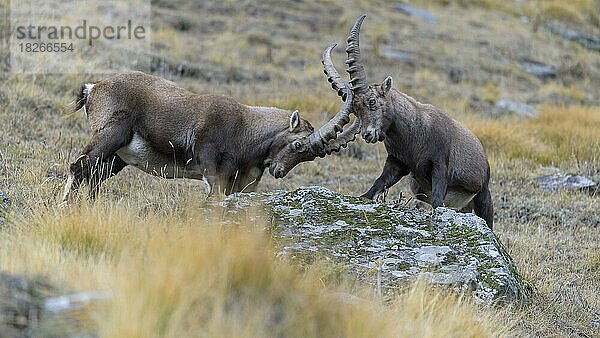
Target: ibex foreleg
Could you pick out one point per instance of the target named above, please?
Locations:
(393, 171)
(73, 181)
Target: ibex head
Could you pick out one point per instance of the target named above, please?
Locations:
(370, 100)
(318, 143)
(284, 151)
(367, 102)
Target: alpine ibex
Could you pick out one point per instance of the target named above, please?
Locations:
(152, 124)
(446, 161)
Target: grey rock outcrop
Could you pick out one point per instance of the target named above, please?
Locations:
(586, 40)
(558, 181)
(445, 248)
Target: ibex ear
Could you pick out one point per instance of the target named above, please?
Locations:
(294, 120)
(386, 85)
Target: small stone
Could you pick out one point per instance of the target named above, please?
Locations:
(4, 200)
(515, 107)
(72, 302)
(396, 54)
(537, 68)
(414, 11)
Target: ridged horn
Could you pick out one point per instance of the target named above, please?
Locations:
(345, 137)
(333, 77)
(320, 138)
(358, 77)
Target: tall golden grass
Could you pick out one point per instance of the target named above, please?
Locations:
(557, 135)
(192, 275)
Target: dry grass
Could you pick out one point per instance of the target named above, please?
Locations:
(561, 260)
(509, 7)
(561, 92)
(577, 11)
(490, 93)
(197, 275)
(140, 244)
(556, 136)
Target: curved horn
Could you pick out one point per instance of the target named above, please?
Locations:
(333, 77)
(347, 136)
(328, 132)
(358, 77)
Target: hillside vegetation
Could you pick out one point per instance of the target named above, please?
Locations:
(172, 268)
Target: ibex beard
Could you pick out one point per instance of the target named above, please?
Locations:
(446, 162)
(154, 125)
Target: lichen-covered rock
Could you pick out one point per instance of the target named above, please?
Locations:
(443, 247)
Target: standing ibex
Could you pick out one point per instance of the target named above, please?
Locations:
(447, 162)
(152, 124)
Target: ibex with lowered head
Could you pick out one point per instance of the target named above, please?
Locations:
(154, 125)
(446, 161)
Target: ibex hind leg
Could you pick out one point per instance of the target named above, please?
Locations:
(468, 208)
(245, 180)
(482, 205)
(98, 161)
(419, 193)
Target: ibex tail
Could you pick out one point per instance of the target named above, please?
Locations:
(82, 97)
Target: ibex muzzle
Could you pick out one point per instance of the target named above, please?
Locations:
(152, 124)
(446, 161)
